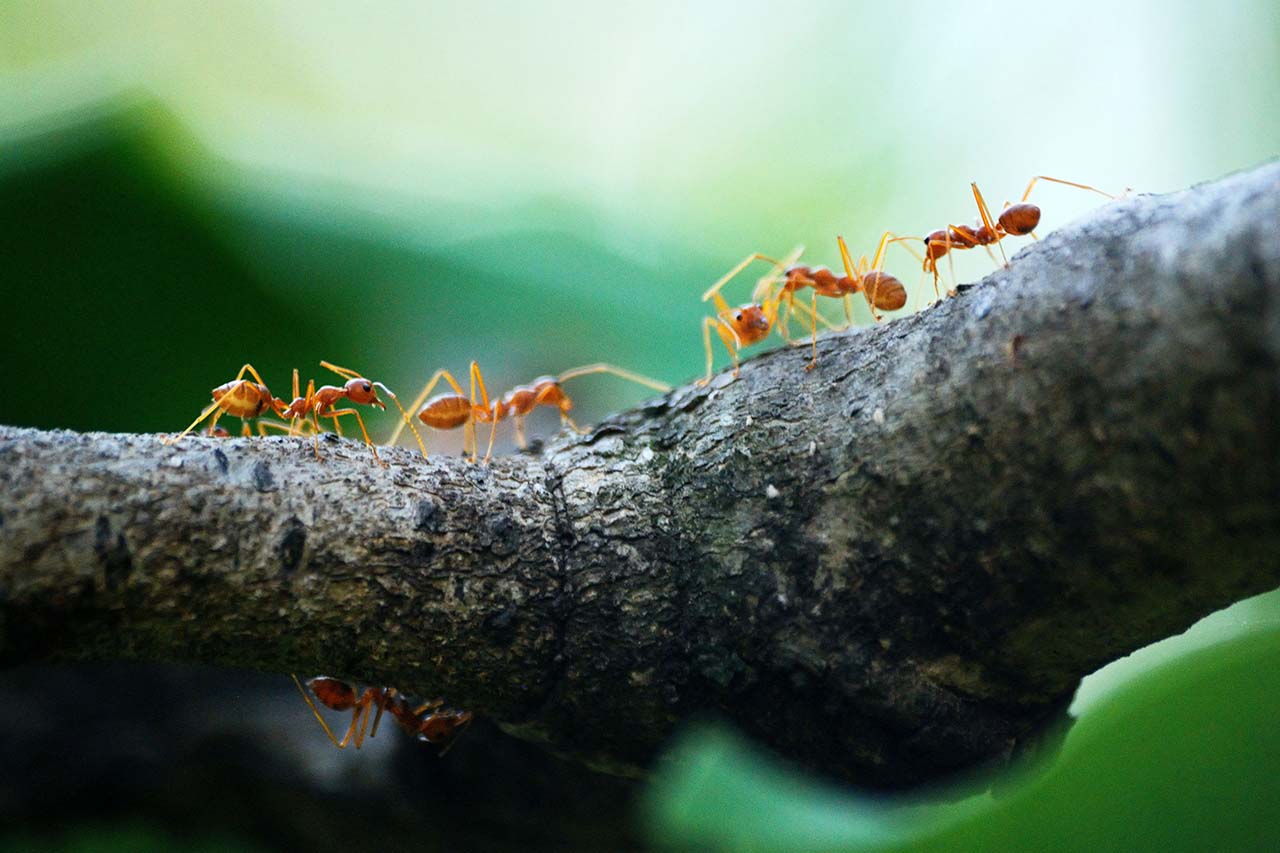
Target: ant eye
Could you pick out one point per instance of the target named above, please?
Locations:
(367, 387)
(738, 315)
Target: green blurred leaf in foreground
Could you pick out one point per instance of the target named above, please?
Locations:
(1183, 757)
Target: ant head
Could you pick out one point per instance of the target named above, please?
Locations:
(361, 390)
(751, 317)
(443, 726)
(750, 322)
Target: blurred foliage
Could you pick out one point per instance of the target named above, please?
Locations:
(120, 838)
(1184, 756)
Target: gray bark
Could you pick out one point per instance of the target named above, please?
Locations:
(889, 568)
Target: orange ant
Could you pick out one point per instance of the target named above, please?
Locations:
(239, 398)
(882, 290)
(426, 721)
(450, 411)
(1014, 220)
(319, 403)
(750, 323)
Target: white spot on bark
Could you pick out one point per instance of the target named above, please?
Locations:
(771, 491)
(646, 455)
(878, 416)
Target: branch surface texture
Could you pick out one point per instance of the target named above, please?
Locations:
(889, 568)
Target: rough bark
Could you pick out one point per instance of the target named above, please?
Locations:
(888, 568)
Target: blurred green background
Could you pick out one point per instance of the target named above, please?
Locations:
(404, 186)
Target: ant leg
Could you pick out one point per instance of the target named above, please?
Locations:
(955, 282)
(989, 223)
(422, 397)
(784, 317)
(203, 414)
(522, 440)
(469, 439)
(287, 428)
(315, 434)
(764, 285)
(493, 431)
(602, 367)
(727, 277)
(813, 329)
(924, 263)
(339, 413)
(265, 426)
(316, 711)
(386, 697)
(477, 379)
(858, 273)
(1068, 183)
(405, 416)
(344, 372)
(726, 335)
(364, 709)
(427, 706)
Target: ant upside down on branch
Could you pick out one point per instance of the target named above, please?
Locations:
(428, 721)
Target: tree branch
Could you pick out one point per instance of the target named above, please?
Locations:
(894, 566)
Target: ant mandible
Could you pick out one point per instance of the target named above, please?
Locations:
(450, 411)
(425, 721)
(319, 403)
(240, 398)
(1014, 220)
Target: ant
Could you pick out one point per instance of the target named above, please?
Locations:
(240, 398)
(881, 289)
(1014, 220)
(319, 403)
(450, 411)
(426, 721)
(750, 323)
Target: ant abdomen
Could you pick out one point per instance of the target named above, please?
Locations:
(447, 411)
(335, 694)
(884, 291)
(1020, 219)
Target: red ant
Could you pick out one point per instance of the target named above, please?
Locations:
(425, 721)
(450, 411)
(239, 398)
(1014, 220)
(882, 290)
(319, 403)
